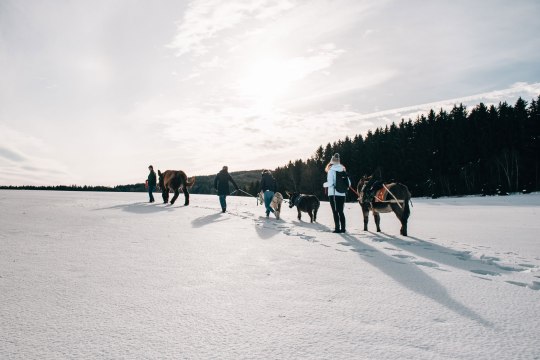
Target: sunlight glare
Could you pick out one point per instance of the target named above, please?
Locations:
(267, 80)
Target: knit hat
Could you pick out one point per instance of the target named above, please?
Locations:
(335, 159)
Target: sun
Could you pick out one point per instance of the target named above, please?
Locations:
(265, 81)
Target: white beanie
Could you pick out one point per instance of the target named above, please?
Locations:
(335, 159)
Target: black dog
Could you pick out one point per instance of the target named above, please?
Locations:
(305, 203)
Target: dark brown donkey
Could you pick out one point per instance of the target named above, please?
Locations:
(173, 180)
(392, 197)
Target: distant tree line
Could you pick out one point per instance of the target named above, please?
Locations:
(117, 188)
(247, 181)
(487, 150)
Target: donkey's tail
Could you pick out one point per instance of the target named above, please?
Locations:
(406, 209)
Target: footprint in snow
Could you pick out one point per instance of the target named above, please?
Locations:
(517, 283)
(399, 256)
(363, 252)
(485, 272)
(426, 263)
(308, 238)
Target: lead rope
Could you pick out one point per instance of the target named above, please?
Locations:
(242, 191)
(397, 201)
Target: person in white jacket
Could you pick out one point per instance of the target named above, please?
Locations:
(337, 199)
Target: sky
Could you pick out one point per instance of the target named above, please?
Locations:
(92, 92)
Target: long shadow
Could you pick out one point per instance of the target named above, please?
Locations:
(208, 219)
(412, 278)
(266, 232)
(444, 255)
(309, 225)
(141, 208)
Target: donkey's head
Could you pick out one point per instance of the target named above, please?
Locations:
(292, 198)
(360, 187)
(363, 181)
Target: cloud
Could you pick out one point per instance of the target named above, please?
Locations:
(521, 89)
(11, 155)
(19, 165)
(205, 19)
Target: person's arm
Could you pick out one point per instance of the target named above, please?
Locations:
(215, 182)
(331, 181)
(233, 182)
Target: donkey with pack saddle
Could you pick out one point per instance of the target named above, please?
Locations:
(380, 197)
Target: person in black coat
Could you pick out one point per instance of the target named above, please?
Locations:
(151, 182)
(221, 184)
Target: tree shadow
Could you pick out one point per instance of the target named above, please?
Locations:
(208, 219)
(141, 208)
(412, 277)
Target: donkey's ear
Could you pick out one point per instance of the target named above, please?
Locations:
(159, 172)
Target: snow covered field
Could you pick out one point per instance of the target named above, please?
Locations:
(107, 275)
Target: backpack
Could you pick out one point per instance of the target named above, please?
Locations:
(342, 181)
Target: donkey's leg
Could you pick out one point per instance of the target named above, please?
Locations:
(186, 196)
(404, 217)
(315, 214)
(299, 214)
(365, 213)
(377, 218)
(400, 214)
(403, 230)
(310, 212)
(176, 193)
(165, 195)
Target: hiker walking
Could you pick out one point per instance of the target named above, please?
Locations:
(151, 183)
(337, 183)
(221, 184)
(268, 188)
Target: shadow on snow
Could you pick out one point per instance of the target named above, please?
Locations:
(412, 277)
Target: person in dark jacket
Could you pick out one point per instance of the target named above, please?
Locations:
(221, 184)
(151, 183)
(268, 188)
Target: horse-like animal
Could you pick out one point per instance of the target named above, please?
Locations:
(275, 204)
(305, 203)
(390, 197)
(174, 180)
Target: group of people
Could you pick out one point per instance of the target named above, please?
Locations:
(268, 187)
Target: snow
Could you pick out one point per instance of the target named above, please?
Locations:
(108, 275)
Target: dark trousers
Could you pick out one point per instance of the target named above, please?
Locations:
(223, 202)
(337, 203)
(150, 189)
